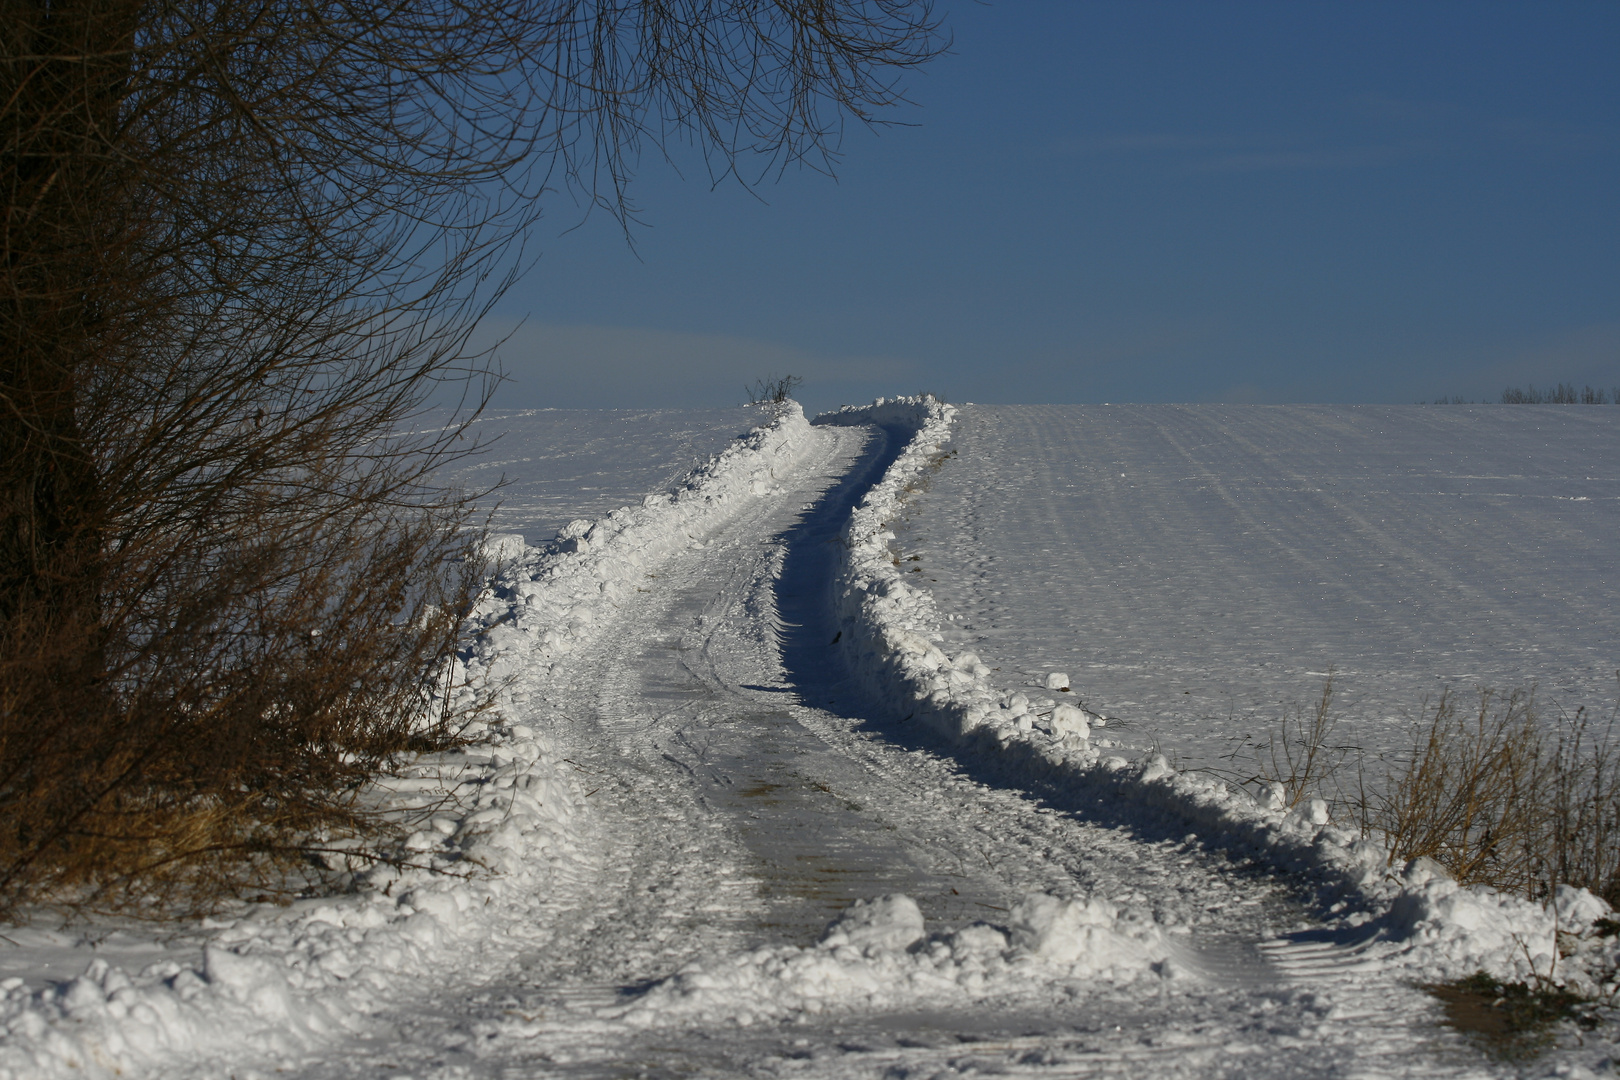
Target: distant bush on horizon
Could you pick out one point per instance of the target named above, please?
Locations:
(1562, 394)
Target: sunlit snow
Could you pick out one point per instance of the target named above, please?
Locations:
(855, 747)
(1199, 569)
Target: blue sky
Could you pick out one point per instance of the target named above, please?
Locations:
(1136, 201)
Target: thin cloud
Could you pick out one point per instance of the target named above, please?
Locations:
(1142, 142)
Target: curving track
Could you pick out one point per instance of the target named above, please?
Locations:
(739, 798)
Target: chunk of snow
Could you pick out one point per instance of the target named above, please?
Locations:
(876, 956)
(1068, 720)
(887, 922)
(1084, 935)
(504, 548)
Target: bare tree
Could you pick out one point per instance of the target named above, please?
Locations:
(772, 390)
(244, 242)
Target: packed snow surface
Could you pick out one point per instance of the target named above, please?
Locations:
(757, 802)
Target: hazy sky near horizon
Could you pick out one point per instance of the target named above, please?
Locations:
(1136, 201)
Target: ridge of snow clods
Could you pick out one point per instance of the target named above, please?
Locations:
(876, 955)
(498, 820)
(889, 630)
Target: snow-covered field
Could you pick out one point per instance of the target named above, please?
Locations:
(1198, 569)
(562, 464)
(760, 800)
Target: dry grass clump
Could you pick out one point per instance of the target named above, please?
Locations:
(1500, 797)
(1298, 757)
(1495, 793)
(1466, 794)
(1585, 808)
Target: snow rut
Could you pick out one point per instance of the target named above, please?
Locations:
(1307, 961)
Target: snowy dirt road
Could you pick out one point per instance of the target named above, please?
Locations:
(741, 795)
(737, 814)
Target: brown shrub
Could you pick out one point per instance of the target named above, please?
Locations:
(1495, 793)
(232, 723)
(1468, 796)
(242, 244)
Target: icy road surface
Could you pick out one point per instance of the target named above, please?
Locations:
(1196, 570)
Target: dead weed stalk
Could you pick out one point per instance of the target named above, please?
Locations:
(1495, 792)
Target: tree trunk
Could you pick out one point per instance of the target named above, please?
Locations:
(64, 67)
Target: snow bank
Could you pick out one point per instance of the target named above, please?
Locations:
(275, 982)
(889, 632)
(876, 955)
(496, 821)
(1450, 931)
(544, 605)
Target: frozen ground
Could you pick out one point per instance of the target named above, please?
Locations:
(1197, 569)
(724, 725)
